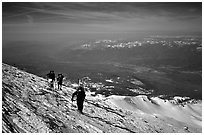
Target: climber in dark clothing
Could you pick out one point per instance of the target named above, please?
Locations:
(80, 93)
(51, 78)
(59, 81)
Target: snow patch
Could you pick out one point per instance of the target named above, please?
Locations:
(109, 80)
(74, 85)
(190, 113)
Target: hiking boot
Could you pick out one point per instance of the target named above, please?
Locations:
(80, 111)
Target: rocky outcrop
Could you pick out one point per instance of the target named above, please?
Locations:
(30, 106)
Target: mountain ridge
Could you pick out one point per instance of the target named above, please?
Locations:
(29, 105)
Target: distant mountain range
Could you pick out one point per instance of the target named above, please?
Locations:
(186, 56)
(182, 51)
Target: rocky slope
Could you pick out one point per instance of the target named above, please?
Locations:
(29, 105)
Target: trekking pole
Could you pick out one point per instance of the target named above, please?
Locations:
(72, 106)
(54, 84)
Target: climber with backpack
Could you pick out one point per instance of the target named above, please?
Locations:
(59, 81)
(80, 96)
(51, 78)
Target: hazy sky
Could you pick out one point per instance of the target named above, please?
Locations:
(66, 17)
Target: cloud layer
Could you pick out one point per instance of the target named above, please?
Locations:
(102, 17)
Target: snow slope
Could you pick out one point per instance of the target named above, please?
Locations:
(29, 105)
(189, 114)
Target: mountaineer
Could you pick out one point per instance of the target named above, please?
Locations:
(59, 81)
(80, 96)
(51, 78)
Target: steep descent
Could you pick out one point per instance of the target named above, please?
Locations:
(29, 105)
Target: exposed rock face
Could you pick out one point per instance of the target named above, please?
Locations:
(29, 105)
